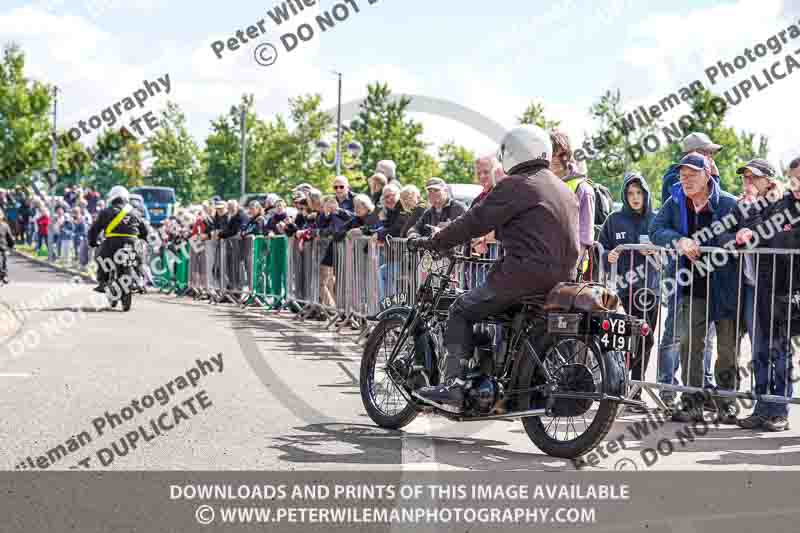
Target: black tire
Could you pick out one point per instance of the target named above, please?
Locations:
(374, 348)
(127, 300)
(536, 428)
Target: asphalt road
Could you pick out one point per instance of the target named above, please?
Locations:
(286, 397)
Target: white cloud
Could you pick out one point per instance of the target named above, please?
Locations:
(674, 50)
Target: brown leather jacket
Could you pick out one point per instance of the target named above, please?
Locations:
(536, 218)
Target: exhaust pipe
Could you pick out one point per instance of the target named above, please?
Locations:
(507, 416)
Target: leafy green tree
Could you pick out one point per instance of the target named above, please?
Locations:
(737, 147)
(176, 158)
(118, 160)
(25, 133)
(385, 132)
(608, 150)
(223, 150)
(456, 163)
(534, 114)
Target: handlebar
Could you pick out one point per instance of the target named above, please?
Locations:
(456, 257)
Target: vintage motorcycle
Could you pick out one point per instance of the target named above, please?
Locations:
(562, 371)
(124, 278)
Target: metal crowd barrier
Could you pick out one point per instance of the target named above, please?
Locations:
(198, 268)
(670, 304)
(303, 282)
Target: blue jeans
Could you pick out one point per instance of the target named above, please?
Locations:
(772, 369)
(40, 240)
(708, 374)
(669, 352)
(772, 364)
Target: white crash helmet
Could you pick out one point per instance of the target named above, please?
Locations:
(524, 144)
(118, 192)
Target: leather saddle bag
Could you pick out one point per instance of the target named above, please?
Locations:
(586, 297)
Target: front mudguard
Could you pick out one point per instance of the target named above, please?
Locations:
(399, 310)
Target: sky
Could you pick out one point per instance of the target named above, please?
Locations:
(491, 57)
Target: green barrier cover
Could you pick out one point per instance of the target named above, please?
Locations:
(269, 269)
(181, 273)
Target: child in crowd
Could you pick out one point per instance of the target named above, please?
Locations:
(638, 293)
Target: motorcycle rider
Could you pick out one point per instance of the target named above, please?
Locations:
(535, 215)
(120, 226)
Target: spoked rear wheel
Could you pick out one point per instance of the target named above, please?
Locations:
(577, 425)
(383, 400)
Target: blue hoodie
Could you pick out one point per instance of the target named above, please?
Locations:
(672, 223)
(627, 226)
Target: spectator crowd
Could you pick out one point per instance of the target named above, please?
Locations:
(719, 305)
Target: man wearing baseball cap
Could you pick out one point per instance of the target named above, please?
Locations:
(687, 220)
(442, 211)
(694, 142)
(775, 274)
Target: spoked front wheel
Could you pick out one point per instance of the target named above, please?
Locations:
(576, 425)
(385, 403)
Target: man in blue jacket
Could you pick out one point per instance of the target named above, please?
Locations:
(699, 213)
(701, 143)
(694, 142)
(637, 271)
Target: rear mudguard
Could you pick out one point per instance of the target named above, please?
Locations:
(616, 375)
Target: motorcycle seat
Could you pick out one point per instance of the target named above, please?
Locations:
(535, 301)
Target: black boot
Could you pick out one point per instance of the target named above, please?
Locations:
(449, 395)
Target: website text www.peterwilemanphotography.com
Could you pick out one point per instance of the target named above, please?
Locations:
(372, 265)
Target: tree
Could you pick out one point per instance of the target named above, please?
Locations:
(117, 161)
(223, 150)
(176, 158)
(24, 120)
(456, 163)
(737, 148)
(385, 132)
(609, 149)
(534, 114)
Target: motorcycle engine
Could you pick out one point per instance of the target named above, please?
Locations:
(483, 395)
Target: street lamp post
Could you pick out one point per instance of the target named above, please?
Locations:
(339, 129)
(353, 148)
(243, 168)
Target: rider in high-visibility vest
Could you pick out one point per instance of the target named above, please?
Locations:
(120, 225)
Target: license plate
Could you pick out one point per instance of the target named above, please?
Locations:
(393, 301)
(618, 337)
(156, 211)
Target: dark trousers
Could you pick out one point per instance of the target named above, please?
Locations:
(487, 299)
(105, 257)
(469, 308)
